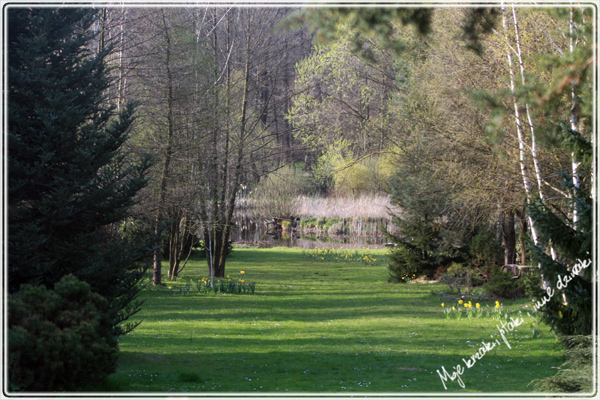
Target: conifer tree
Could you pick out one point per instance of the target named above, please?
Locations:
(69, 178)
(567, 223)
(568, 309)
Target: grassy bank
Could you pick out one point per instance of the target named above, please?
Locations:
(313, 326)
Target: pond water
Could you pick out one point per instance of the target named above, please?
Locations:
(285, 238)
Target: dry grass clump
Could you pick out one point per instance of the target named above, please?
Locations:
(363, 206)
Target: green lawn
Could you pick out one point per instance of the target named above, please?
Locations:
(314, 327)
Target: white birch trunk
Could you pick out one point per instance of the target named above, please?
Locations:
(534, 155)
(573, 121)
(121, 82)
(529, 120)
(521, 140)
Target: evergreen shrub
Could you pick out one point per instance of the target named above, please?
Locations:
(484, 250)
(417, 253)
(461, 277)
(502, 285)
(59, 339)
(404, 262)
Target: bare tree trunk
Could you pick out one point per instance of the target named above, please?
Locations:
(240, 139)
(121, 79)
(234, 185)
(522, 232)
(156, 278)
(180, 237)
(509, 237)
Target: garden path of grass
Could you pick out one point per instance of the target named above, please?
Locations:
(314, 327)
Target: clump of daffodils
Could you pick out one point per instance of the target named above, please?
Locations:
(470, 310)
(227, 285)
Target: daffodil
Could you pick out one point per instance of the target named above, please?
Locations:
(442, 304)
(534, 325)
(241, 281)
(460, 302)
(241, 272)
(477, 305)
(497, 305)
(169, 287)
(453, 308)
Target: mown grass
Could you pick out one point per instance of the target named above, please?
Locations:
(318, 327)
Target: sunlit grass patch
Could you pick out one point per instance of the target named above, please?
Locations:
(314, 326)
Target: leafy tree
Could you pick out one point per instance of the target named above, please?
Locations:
(339, 95)
(70, 182)
(364, 22)
(382, 24)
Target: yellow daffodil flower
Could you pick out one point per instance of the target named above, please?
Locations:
(534, 325)
(442, 304)
(477, 305)
(453, 308)
(241, 272)
(460, 302)
(497, 305)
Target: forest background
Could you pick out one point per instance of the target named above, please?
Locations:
(465, 118)
(475, 124)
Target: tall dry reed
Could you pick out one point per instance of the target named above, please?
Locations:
(363, 206)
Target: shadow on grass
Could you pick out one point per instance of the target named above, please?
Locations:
(301, 371)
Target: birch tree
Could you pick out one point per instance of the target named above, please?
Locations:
(525, 175)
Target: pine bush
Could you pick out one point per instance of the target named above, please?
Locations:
(59, 339)
(502, 285)
(577, 373)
